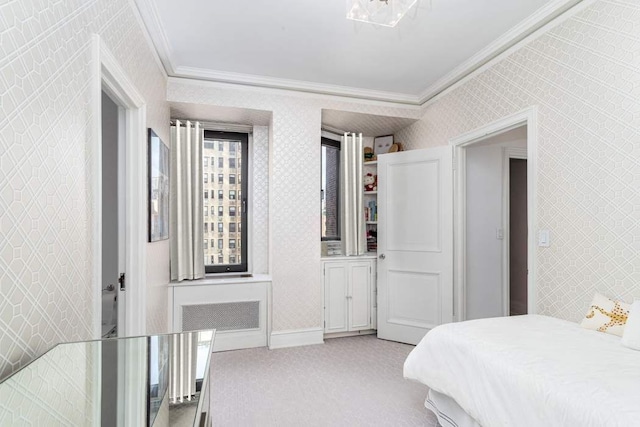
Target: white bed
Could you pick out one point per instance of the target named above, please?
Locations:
(527, 371)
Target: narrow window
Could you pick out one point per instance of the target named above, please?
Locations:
(330, 190)
(227, 150)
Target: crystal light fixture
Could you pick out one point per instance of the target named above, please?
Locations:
(381, 12)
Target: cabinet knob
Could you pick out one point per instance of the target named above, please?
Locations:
(382, 256)
(349, 297)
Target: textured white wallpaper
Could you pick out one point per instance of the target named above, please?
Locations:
(45, 197)
(294, 205)
(584, 75)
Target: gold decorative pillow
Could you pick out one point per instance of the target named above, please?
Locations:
(606, 315)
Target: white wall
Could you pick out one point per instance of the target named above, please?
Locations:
(583, 76)
(45, 194)
(484, 255)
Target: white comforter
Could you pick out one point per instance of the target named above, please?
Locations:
(531, 371)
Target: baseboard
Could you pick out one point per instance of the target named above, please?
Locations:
(295, 338)
(349, 334)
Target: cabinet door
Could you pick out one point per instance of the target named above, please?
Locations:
(359, 296)
(335, 297)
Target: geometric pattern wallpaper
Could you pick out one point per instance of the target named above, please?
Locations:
(584, 76)
(45, 175)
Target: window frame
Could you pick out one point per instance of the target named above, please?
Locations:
(241, 211)
(333, 144)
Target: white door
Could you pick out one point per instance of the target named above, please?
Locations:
(415, 243)
(335, 297)
(359, 298)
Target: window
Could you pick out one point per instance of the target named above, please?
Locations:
(205, 162)
(330, 190)
(206, 178)
(206, 194)
(206, 211)
(227, 150)
(206, 243)
(206, 227)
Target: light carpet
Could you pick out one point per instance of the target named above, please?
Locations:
(355, 381)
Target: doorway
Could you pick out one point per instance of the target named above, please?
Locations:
(487, 224)
(113, 217)
(491, 253)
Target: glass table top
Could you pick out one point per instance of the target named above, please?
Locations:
(156, 380)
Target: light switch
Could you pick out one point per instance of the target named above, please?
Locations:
(499, 233)
(544, 238)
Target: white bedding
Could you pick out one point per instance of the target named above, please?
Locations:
(531, 371)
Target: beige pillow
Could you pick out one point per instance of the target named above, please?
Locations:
(606, 315)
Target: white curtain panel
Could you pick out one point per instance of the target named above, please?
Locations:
(353, 228)
(187, 251)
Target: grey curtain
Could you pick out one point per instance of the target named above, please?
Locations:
(187, 251)
(353, 227)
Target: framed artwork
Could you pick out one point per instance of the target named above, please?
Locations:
(158, 188)
(382, 144)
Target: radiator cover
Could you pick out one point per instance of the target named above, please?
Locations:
(223, 316)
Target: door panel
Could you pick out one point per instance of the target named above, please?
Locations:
(415, 224)
(360, 293)
(415, 243)
(414, 300)
(335, 288)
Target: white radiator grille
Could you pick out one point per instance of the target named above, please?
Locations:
(225, 316)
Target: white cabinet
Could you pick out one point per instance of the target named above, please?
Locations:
(349, 294)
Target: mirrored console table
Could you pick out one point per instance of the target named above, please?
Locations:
(157, 380)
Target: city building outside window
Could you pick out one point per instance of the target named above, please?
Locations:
(330, 190)
(227, 150)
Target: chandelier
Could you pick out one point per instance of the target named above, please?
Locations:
(381, 12)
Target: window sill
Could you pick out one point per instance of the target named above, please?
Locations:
(223, 279)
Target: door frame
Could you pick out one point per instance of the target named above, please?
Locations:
(528, 117)
(108, 76)
(507, 154)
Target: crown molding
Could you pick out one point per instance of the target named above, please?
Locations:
(151, 21)
(145, 31)
(294, 85)
(521, 32)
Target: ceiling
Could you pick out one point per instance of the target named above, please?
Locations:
(310, 45)
(367, 124)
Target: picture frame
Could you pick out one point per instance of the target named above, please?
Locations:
(382, 144)
(158, 163)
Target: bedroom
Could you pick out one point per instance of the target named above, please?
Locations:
(440, 75)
